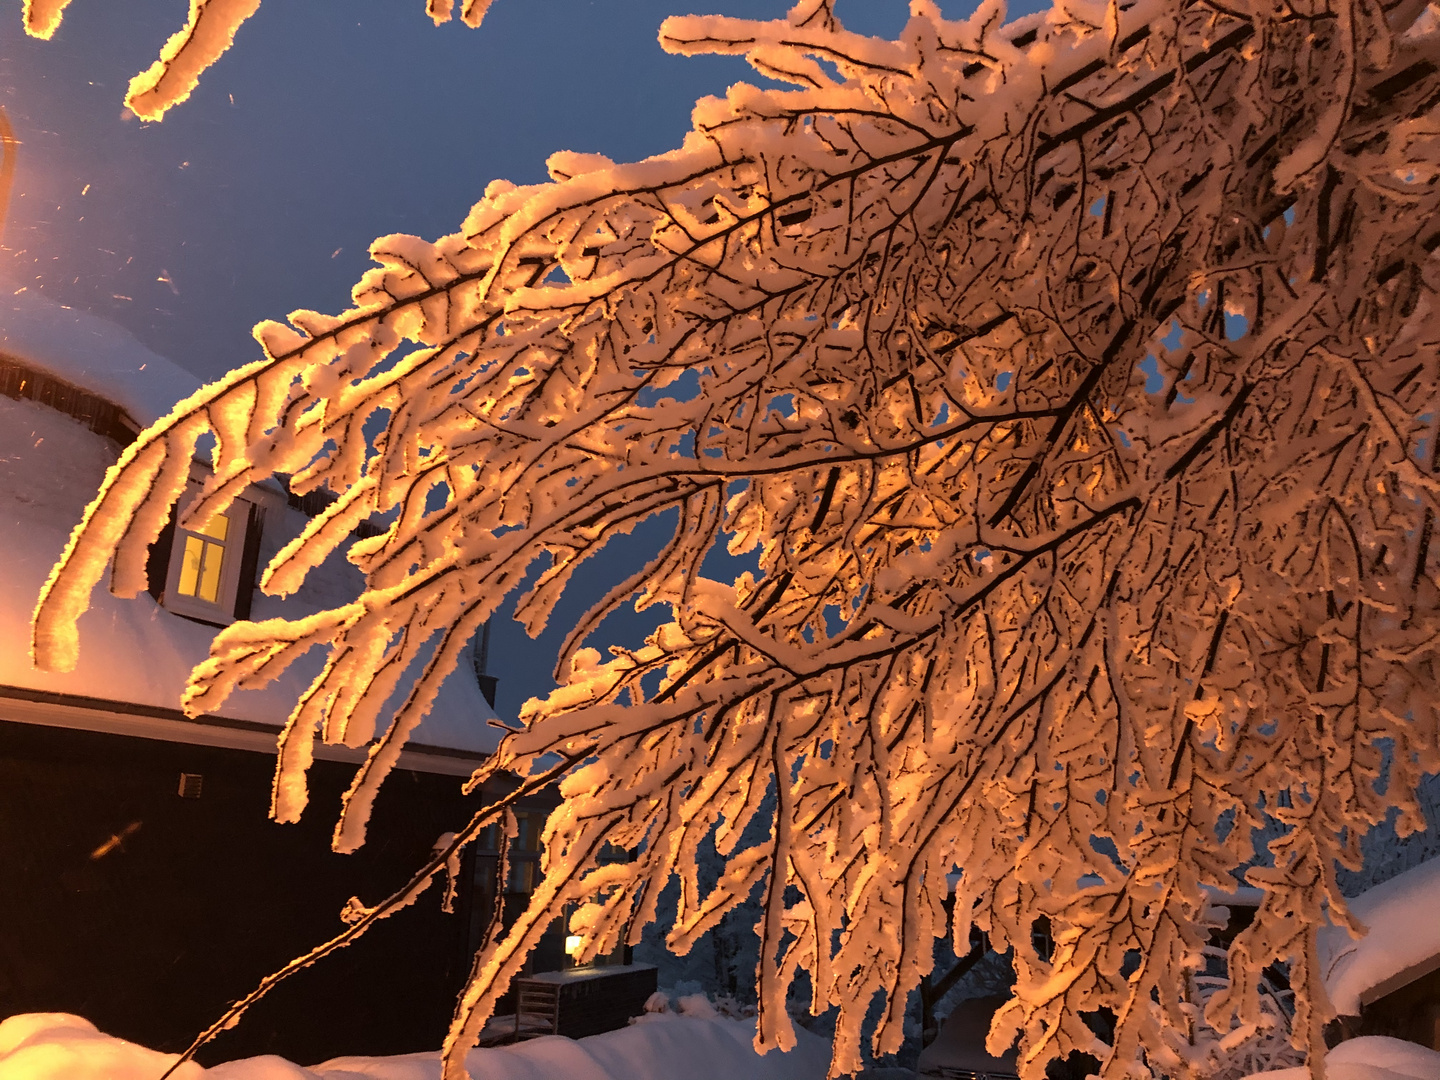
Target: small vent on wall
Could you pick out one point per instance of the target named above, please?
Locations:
(190, 784)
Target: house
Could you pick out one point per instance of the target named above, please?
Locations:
(143, 885)
(958, 1051)
(1387, 983)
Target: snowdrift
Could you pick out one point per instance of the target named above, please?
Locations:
(56, 1046)
(1370, 1057)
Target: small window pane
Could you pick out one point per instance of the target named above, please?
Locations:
(215, 528)
(210, 578)
(524, 876)
(531, 824)
(190, 567)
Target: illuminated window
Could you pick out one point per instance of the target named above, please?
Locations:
(202, 561)
(205, 565)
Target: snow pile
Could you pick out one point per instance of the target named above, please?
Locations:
(1403, 942)
(688, 998)
(54, 1046)
(1370, 1057)
(92, 353)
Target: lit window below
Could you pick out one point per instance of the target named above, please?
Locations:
(204, 557)
(204, 565)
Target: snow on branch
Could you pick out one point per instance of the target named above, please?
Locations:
(42, 17)
(209, 30)
(1074, 382)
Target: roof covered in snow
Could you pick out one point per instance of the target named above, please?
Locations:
(960, 1045)
(92, 353)
(135, 652)
(1403, 943)
(1370, 1057)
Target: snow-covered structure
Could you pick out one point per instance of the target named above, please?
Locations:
(959, 1050)
(142, 883)
(1370, 1057)
(1387, 983)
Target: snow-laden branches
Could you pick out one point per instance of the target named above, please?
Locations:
(1018, 612)
(209, 30)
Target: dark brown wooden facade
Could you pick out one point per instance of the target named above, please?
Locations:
(582, 1001)
(147, 904)
(1409, 1011)
(23, 381)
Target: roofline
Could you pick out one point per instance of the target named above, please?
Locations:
(48, 708)
(1239, 896)
(25, 381)
(1401, 978)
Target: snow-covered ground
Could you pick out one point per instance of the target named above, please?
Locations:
(1370, 1057)
(663, 1046)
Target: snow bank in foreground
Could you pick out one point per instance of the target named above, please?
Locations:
(54, 1046)
(1404, 933)
(1370, 1057)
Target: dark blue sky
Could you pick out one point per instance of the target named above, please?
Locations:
(330, 122)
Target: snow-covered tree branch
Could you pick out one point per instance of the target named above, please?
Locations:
(1017, 612)
(208, 32)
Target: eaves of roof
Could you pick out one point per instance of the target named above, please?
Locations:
(51, 709)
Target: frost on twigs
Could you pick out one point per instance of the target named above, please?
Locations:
(472, 12)
(42, 17)
(1018, 610)
(208, 31)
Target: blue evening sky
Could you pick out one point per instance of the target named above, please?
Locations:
(330, 122)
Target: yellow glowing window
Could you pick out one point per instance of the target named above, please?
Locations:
(203, 557)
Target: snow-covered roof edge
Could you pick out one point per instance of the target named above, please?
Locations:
(50, 709)
(94, 354)
(1402, 945)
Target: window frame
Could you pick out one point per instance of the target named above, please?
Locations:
(222, 612)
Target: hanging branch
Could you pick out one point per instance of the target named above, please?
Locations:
(886, 332)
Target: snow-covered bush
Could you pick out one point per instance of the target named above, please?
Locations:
(1254, 1046)
(1017, 610)
(687, 999)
